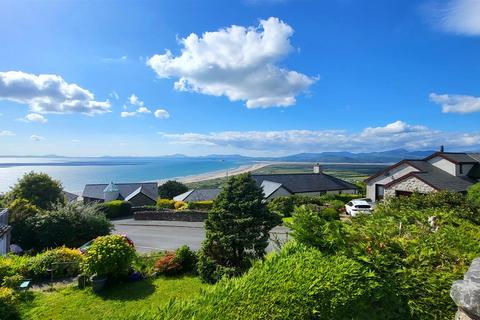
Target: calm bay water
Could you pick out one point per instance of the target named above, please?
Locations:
(74, 173)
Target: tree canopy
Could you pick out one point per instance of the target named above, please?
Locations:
(39, 189)
(171, 188)
(237, 229)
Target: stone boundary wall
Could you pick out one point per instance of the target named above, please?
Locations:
(171, 215)
(466, 293)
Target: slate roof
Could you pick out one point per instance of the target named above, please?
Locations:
(305, 182)
(70, 196)
(457, 157)
(198, 195)
(4, 229)
(440, 179)
(95, 191)
(270, 187)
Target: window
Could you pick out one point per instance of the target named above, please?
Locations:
(461, 168)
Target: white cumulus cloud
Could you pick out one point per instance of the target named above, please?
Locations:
(35, 137)
(5, 133)
(125, 114)
(48, 93)
(456, 103)
(391, 136)
(162, 114)
(237, 62)
(143, 110)
(35, 117)
(459, 16)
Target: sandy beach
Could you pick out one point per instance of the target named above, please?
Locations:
(220, 173)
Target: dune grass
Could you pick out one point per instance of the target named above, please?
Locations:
(121, 301)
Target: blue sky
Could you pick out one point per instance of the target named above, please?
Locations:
(85, 78)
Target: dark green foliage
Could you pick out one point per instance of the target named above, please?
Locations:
(343, 197)
(8, 301)
(284, 205)
(39, 189)
(474, 193)
(171, 188)
(296, 283)
(22, 217)
(116, 209)
(415, 264)
(68, 225)
(237, 229)
(109, 255)
(186, 258)
(322, 230)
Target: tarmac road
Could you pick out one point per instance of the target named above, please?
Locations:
(170, 235)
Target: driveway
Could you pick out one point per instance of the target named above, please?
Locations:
(170, 235)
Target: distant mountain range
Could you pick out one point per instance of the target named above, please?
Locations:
(331, 157)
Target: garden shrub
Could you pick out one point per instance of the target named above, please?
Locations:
(64, 262)
(167, 265)
(181, 261)
(165, 204)
(8, 301)
(12, 265)
(336, 204)
(145, 263)
(187, 258)
(109, 255)
(201, 205)
(329, 214)
(180, 205)
(317, 229)
(12, 281)
(473, 193)
(116, 209)
(285, 205)
(296, 283)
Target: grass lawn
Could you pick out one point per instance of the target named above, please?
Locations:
(116, 302)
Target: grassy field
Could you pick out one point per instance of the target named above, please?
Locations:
(348, 172)
(121, 301)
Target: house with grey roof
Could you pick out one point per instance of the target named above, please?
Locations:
(277, 185)
(5, 230)
(452, 171)
(194, 195)
(138, 194)
(315, 183)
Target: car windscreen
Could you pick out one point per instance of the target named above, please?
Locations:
(362, 206)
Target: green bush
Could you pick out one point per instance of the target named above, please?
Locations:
(284, 206)
(474, 193)
(338, 205)
(8, 301)
(39, 189)
(400, 246)
(165, 204)
(296, 283)
(71, 225)
(13, 281)
(108, 255)
(329, 214)
(180, 205)
(201, 205)
(186, 258)
(116, 209)
(318, 229)
(12, 265)
(171, 189)
(64, 262)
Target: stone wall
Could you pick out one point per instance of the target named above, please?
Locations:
(410, 184)
(466, 293)
(172, 215)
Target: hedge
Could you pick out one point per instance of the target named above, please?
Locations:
(201, 205)
(116, 209)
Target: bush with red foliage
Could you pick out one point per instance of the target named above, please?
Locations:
(167, 264)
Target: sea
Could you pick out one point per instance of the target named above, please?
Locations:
(74, 173)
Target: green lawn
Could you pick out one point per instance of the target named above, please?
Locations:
(117, 302)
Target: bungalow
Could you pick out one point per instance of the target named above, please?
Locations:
(5, 230)
(311, 184)
(139, 194)
(277, 185)
(452, 171)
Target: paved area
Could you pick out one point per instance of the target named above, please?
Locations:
(170, 235)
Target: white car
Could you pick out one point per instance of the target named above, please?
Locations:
(355, 207)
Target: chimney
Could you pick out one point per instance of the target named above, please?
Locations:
(442, 149)
(317, 168)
